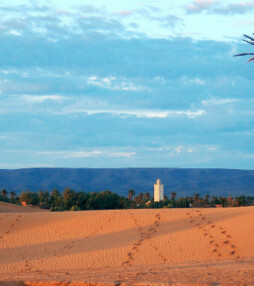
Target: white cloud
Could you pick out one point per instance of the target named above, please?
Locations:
(15, 33)
(238, 8)
(42, 98)
(194, 114)
(83, 154)
(4, 71)
(22, 103)
(197, 81)
(3, 137)
(211, 148)
(70, 154)
(15, 72)
(124, 13)
(199, 5)
(218, 101)
(138, 113)
(123, 154)
(24, 165)
(216, 7)
(179, 149)
(113, 83)
(183, 149)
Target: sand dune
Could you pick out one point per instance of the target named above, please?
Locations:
(129, 246)
(12, 208)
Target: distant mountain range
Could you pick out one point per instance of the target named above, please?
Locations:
(183, 181)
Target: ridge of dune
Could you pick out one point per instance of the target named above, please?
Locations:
(11, 208)
(114, 247)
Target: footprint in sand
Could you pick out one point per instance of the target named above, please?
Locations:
(144, 235)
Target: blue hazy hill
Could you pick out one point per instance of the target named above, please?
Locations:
(183, 181)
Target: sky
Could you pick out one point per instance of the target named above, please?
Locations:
(108, 84)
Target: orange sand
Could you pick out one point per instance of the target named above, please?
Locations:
(12, 208)
(213, 246)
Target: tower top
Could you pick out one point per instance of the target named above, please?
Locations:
(158, 191)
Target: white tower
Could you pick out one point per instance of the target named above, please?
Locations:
(158, 191)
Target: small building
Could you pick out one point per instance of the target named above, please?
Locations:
(219, 206)
(24, 204)
(158, 191)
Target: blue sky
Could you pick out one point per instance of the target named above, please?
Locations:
(126, 84)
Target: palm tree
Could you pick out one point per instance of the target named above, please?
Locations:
(147, 196)
(140, 198)
(4, 193)
(13, 194)
(249, 40)
(173, 196)
(223, 201)
(230, 201)
(196, 198)
(206, 199)
(131, 194)
(214, 200)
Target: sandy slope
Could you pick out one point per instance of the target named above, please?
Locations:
(12, 208)
(127, 246)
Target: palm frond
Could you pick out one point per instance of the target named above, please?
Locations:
(244, 54)
(250, 40)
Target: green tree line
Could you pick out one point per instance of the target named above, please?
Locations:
(73, 201)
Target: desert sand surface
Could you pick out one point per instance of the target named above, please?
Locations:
(12, 208)
(212, 246)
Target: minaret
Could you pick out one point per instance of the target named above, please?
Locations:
(158, 191)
